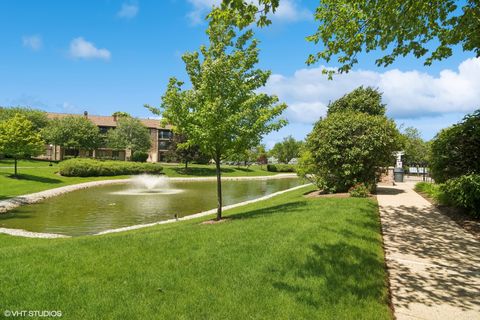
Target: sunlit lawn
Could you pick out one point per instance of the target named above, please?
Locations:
(285, 258)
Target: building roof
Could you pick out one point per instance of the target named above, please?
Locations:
(109, 121)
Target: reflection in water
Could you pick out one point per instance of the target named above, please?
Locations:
(97, 209)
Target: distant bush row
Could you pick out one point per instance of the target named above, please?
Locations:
(280, 168)
(91, 168)
(462, 192)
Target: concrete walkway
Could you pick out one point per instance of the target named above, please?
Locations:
(434, 265)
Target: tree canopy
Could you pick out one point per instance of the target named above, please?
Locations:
(38, 118)
(182, 150)
(361, 99)
(416, 149)
(223, 112)
(18, 138)
(455, 151)
(131, 134)
(73, 132)
(346, 28)
(287, 149)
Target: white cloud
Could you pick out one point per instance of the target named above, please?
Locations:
(33, 42)
(288, 10)
(200, 10)
(410, 94)
(128, 11)
(82, 49)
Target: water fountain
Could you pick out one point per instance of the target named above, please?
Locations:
(146, 184)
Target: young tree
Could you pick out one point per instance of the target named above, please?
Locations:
(286, 150)
(223, 112)
(361, 99)
(349, 27)
(130, 133)
(18, 138)
(73, 132)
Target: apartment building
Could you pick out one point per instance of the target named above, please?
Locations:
(161, 138)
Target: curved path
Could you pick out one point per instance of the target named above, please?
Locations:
(434, 265)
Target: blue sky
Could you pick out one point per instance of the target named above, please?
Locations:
(105, 55)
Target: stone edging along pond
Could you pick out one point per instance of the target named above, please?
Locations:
(9, 204)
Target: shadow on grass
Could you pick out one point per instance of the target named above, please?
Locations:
(296, 206)
(30, 177)
(202, 172)
(331, 274)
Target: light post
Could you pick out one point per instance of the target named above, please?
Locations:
(51, 151)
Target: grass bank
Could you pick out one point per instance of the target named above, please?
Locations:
(35, 176)
(285, 258)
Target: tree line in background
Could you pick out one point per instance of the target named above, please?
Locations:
(25, 132)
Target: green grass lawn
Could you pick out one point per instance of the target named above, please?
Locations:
(285, 258)
(37, 176)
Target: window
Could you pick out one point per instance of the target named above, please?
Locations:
(163, 145)
(164, 134)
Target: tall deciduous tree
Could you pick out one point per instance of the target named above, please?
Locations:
(18, 138)
(37, 117)
(397, 27)
(367, 100)
(222, 113)
(416, 149)
(73, 132)
(286, 150)
(130, 133)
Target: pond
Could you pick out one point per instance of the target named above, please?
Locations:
(97, 209)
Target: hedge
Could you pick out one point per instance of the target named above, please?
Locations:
(280, 168)
(81, 167)
(464, 192)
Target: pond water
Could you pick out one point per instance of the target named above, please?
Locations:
(96, 209)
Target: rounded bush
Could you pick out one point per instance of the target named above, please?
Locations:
(140, 156)
(359, 190)
(82, 167)
(347, 148)
(280, 168)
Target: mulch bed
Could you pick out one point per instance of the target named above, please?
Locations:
(215, 221)
(321, 194)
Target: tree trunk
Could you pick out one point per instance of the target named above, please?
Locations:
(219, 188)
(15, 160)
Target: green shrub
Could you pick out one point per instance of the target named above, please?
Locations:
(280, 168)
(91, 168)
(359, 190)
(455, 151)
(140, 156)
(347, 148)
(463, 192)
